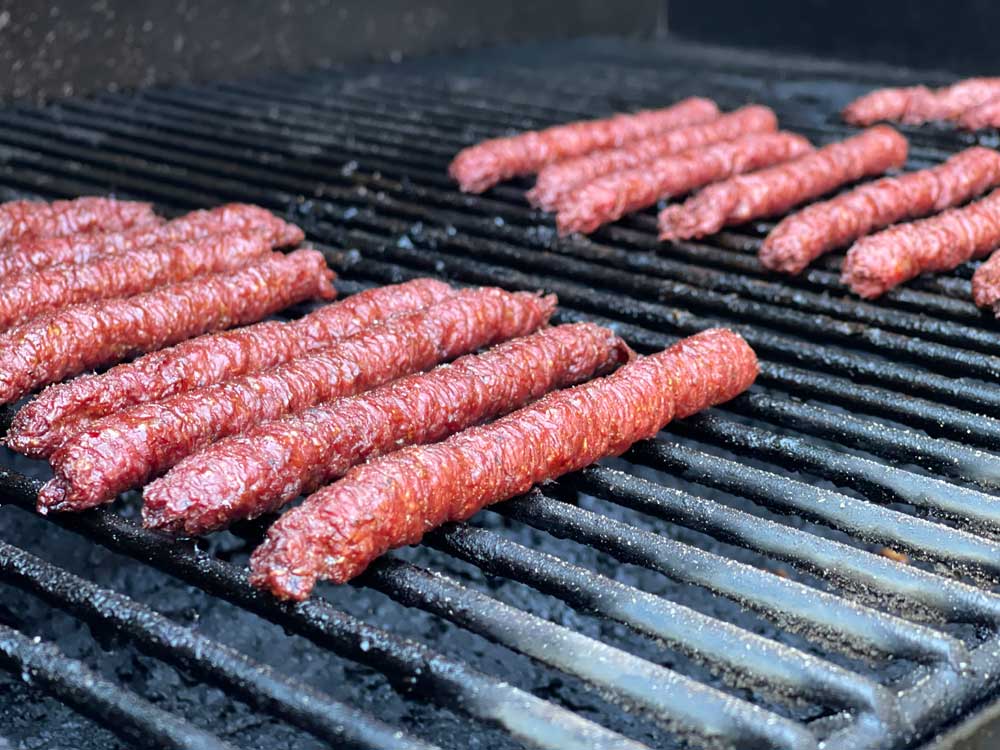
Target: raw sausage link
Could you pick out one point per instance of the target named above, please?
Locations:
(78, 338)
(804, 236)
(247, 475)
(479, 167)
(557, 180)
(42, 425)
(41, 252)
(394, 500)
(916, 105)
(29, 295)
(984, 116)
(610, 197)
(773, 191)
(24, 219)
(124, 450)
(986, 284)
(876, 264)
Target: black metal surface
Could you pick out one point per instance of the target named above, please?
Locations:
(721, 584)
(81, 688)
(202, 657)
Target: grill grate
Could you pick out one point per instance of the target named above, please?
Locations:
(681, 542)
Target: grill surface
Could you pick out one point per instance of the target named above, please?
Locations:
(722, 583)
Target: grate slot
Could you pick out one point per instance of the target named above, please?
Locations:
(686, 707)
(78, 686)
(256, 683)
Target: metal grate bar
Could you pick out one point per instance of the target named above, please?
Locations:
(817, 614)
(744, 658)
(944, 456)
(977, 510)
(859, 571)
(216, 135)
(451, 682)
(684, 706)
(78, 686)
(863, 520)
(975, 429)
(256, 683)
(230, 105)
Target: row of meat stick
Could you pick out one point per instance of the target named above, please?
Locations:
(221, 423)
(972, 104)
(743, 168)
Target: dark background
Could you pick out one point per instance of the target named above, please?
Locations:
(62, 47)
(959, 36)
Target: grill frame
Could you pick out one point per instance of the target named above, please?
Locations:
(596, 280)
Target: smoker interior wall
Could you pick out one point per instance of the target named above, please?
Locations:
(958, 35)
(61, 47)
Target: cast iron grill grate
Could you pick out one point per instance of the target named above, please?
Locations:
(720, 584)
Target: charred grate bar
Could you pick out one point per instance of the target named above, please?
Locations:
(659, 583)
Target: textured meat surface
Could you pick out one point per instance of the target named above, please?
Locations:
(610, 197)
(261, 470)
(394, 500)
(984, 116)
(804, 236)
(41, 252)
(479, 167)
(557, 180)
(25, 219)
(81, 337)
(60, 410)
(877, 263)
(29, 295)
(986, 284)
(915, 105)
(123, 450)
(773, 191)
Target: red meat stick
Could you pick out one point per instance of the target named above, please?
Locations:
(608, 198)
(877, 263)
(61, 410)
(984, 116)
(915, 105)
(247, 475)
(396, 499)
(986, 284)
(29, 295)
(124, 450)
(773, 191)
(81, 337)
(558, 180)
(41, 252)
(25, 219)
(815, 230)
(479, 167)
